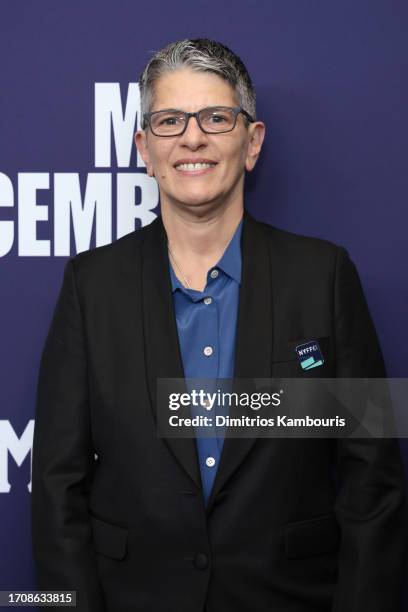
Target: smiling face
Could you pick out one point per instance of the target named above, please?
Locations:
(229, 154)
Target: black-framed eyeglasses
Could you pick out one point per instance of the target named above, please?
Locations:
(211, 120)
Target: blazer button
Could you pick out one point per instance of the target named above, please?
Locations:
(201, 561)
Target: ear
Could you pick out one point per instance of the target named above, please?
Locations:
(256, 133)
(143, 148)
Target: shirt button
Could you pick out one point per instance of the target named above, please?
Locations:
(210, 461)
(214, 273)
(208, 350)
(207, 300)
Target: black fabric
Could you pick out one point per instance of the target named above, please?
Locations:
(125, 530)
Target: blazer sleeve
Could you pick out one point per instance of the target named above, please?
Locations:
(370, 505)
(63, 459)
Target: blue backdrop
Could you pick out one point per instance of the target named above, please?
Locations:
(332, 83)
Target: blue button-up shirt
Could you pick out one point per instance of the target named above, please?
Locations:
(206, 323)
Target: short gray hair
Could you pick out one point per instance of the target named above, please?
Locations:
(200, 55)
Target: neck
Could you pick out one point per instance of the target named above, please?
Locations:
(200, 237)
(198, 243)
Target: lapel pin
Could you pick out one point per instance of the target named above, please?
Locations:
(309, 355)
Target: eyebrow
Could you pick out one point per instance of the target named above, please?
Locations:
(204, 107)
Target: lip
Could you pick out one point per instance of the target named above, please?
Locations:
(194, 172)
(198, 160)
(194, 160)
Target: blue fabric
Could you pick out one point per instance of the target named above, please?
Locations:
(213, 325)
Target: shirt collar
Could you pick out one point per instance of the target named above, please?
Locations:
(230, 262)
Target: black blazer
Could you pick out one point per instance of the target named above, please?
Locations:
(118, 513)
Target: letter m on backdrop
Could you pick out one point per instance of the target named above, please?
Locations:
(18, 448)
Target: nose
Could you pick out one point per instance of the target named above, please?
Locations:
(193, 135)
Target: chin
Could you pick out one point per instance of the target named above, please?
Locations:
(191, 199)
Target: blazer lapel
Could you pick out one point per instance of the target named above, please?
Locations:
(162, 350)
(253, 348)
